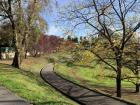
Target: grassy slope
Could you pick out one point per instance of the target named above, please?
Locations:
(88, 76)
(29, 85)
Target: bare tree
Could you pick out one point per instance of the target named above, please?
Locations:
(107, 18)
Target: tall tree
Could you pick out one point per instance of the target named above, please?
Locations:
(105, 18)
(22, 21)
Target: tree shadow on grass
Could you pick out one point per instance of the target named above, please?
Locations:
(34, 76)
(29, 74)
(72, 64)
(87, 66)
(52, 103)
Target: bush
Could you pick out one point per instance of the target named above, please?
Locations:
(51, 60)
(83, 57)
(69, 64)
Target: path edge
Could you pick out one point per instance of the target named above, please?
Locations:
(106, 94)
(97, 91)
(103, 93)
(67, 96)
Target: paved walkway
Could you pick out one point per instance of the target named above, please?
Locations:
(9, 98)
(80, 94)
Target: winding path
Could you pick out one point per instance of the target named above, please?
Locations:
(78, 93)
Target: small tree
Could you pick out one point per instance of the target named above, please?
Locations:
(75, 39)
(132, 62)
(69, 38)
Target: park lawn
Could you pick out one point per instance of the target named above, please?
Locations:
(91, 76)
(27, 83)
(88, 77)
(34, 64)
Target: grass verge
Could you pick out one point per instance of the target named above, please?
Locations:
(27, 83)
(88, 77)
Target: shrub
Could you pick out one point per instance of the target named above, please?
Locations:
(83, 57)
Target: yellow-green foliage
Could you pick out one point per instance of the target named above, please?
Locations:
(84, 57)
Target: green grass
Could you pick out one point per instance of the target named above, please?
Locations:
(34, 64)
(88, 75)
(94, 76)
(27, 83)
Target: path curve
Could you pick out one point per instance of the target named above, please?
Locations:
(77, 93)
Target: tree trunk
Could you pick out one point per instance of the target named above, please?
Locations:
(118, 55)
(16, 60)
(26, 54)
(137, 75)
(137, 88)
(0, 54)
(36, 53)
(118, 83)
